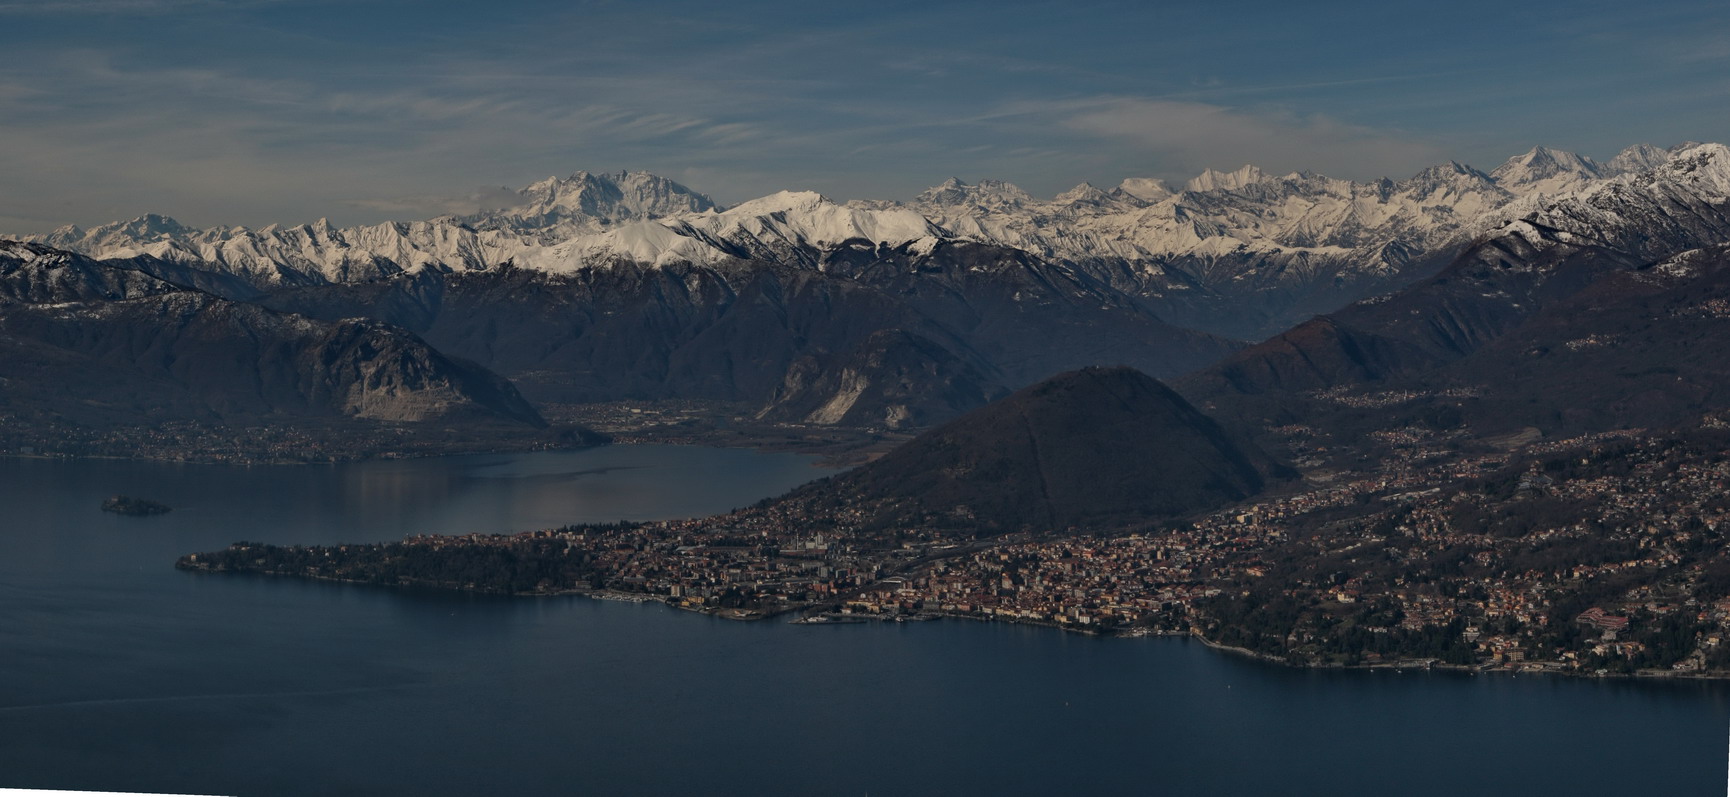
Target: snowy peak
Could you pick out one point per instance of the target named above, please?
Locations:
(646, 242)
(1651, 215)
(1210, 180)
(1543, 162)
(607, 198)
(549, 212)
(1547, 172)
(1085, 194)
(953, 191)
(1449, 172)
(1636, 159)
(787, 226)
(147, 228)
(987, 195)
(809, 218)
(779, 202)
(1703, 168)
(1449, 179)
(1146, 189)
(150, 224)
(1228, 217)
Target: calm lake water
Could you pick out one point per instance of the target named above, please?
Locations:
(118, 672)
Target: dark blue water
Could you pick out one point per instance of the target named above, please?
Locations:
(119, 673)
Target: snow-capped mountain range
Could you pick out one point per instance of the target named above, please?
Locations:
(877, 314)
(1240, 253)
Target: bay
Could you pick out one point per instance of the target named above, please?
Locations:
(118, 672)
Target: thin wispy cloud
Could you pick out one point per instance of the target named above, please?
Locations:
(86, 7)
(1700, 48)
(232, 111)
(1218, 88)
(1187, 136)
(433, 205)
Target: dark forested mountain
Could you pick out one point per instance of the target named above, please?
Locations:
(979, 320)
(98, 343)
(1590, 312)
(1094, 446)
(1640, 348)
(37, 274)
(895, 379)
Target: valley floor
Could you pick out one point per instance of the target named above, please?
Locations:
(725, 425)
(316, 441)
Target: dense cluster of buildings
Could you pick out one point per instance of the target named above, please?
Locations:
(1599, 553)
(1494, 548)
(1609, 564)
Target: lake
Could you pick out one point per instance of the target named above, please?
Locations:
(118, 672)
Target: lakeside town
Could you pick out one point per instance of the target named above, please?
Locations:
(1597, 555)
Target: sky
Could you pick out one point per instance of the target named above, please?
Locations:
(223, 112)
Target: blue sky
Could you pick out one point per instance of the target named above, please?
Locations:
(254, 111)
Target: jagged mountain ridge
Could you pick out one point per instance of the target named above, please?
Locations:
(1242, 254)
(585, 202)
(1248, 254)
(545, 213)
(37, 274)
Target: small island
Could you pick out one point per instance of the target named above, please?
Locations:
(136, 507)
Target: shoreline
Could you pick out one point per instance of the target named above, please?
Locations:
(1434, 665)
(849, 448)
(381, 456)
(1398, 665)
